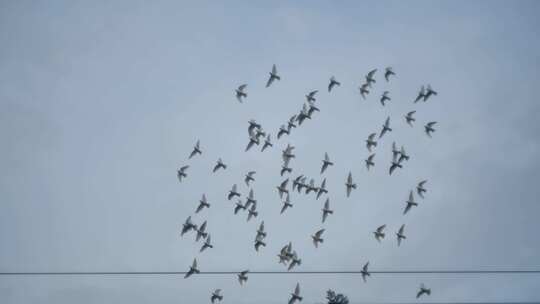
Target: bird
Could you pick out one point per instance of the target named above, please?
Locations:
(233, 192)
(395, 164)
(216, 295)
(385, 127)
(369, 161)
(253, 124)
(400, 235)
(283, 255)
(187, 226)
(295, 261)
(206, 244)
(395, 151)
(252, 212)
(410, 203)
(249, 177)
(365, 273)
(259, 242)
(260, 230)
(409, 118)
(349, 184)
(311, 187)
(259, 133)
(181, 173)
(303, 115)
(290, 123)
(253, 140)
(219, 164)
(385, 98)
(311, 96)
(273, 76)
(242, 277)
(286, 204)
(302, 184)
(371, 142)
(420, 190)
(369, 77)
(326, 210)
(241, 93)
(423, 290)
(192, 269)
(429, 92)
(267, 143)
(239, 206)
(250, 199)
(403, 155)
(283, 130)
(333, 83)
(364, 90)
(295, 296)
(322, 189)
(379, 233)
(388, 72)
(317, 238)
(296, 181)
(429, 127)
(421, 94)
(326, 162)
(312, 108)
(282, 188)
(196, 149)
(202, 204)
(201, 232)
(285, 167)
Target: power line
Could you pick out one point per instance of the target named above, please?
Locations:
(381, 272)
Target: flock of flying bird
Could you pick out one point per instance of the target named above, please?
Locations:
(287, 255)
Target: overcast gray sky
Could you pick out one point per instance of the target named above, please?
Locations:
(101, 102)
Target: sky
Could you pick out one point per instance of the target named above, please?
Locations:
(101, 102)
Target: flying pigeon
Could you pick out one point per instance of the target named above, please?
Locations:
(216, 295)
(290, 123)
(385, 98)
(249, 177)
(273, 76)
(326, 162)
(388, 72)
(201, 232)
(421, 94)
(219, 165)
(250, 199)
(365, 273)
(202, 204)
(181, 173)
(286, 204)
(260, 230)
(285, 167)
(349, 184)
(420, 190)
(207, 243)
(259, 242)
(410, 203)
(311, 187)
(267, 143)
(400, 235)
(333, 83)
(282, 188)
(409, 118)
(317, 238)
(385, 127)
(311, 96)
(295, 296)
(369, 161)
(192, 269)
(282, 130)
(239, 206)
(253, 124)
(296, 181)
(429, 128)
(403, 155)
(312, 108)
(295, 261)
(252, 212)
(369, 77)
(364, 90)
(242, 277)
(302, 184)
(379, 233)
(196, 150)
(395, 164)
(423, 290)
(241, 93)
(253, 140)
(326, 210)
(233, 192)
(322, 189)
(429, 92)
(187, 226)
(370, 142)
